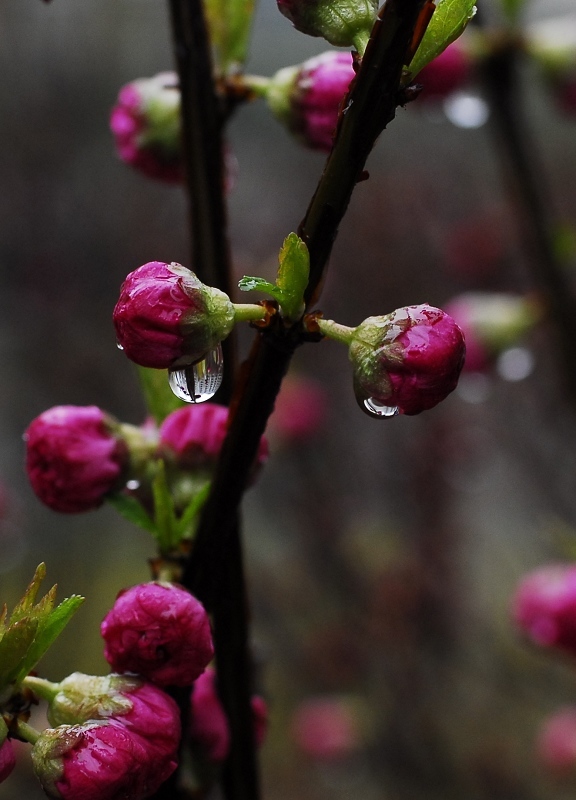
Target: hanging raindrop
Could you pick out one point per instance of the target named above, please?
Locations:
(119, 346)
(376, 409)
(200, 381)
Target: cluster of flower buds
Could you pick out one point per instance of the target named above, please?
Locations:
(307, 98)
(404, 362)
(492, 322)
(112, 736)
(145, 123)
(78, 456)
(117, 736)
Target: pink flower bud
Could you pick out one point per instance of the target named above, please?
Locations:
(145, 123)
(194, 436)
(340, 22)
(7, 759)
(556, 743)
(410, 359)
(544, 606)
(98, 761)
(326, 728)
(208, 723)
(307, 98)
(166, 317)
(74, 457)
(159, 631)
(491, 322)
(141, 707)
(445, 74)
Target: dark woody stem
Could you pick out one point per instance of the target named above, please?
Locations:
(203, 120)
(525, 179)
(370, 105)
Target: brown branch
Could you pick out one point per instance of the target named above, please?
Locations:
(370, 106)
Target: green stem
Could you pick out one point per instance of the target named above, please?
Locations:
(336, 331)
(247, 312)
(40, 686)
(26, 732)
(257, 84)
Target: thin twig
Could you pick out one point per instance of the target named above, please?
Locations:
(525, 179)
(202, 136)
(370, 106)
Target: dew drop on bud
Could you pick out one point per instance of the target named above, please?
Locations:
(200, 381)
(119, 346)
(376, 409)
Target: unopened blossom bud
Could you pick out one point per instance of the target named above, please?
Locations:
(145, 123)
(446, 73)
(159, 631)
(408, 360)
(307, 98)
(166, 317)
(556, 743)
(75, 456)
(98, 761)
(141, 707)
(7, 759)
(326, 728)
(544, 606)
(208, 723)
(193, 437)
(343, 23)
(491, 322)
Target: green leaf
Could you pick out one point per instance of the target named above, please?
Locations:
(229, 23)
(27, 601)
(192, 510)
(13, 648)
(165, 520)
(159, 397)
(132, 510)
(293, 275)
(446, 25)
(254, 284)
(49, 628)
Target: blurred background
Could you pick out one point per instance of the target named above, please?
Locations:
(382, 554)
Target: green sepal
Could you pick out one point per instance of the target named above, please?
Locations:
(448, 22)
(292, 280)
(229, 23)
(31, 629)
(159, 397)
(132, 510)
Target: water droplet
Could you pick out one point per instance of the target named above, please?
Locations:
(119, 346)
(466, 110)
(515, 364)
(376, 409)
(200, 381)
(133, 485)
